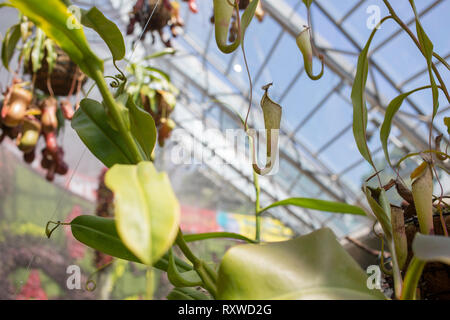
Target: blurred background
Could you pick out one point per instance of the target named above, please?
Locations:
(318, 157)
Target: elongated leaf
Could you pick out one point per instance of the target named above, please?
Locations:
(143, 128)
(222, 16)
(432, 248)
(101, 139)
(377, 202)
(215, 235)
(391, 110)
(272, 120)
(101, 234)
(107, 30)
(9, 44)
(427, 49)
(359, 101)
(317, 204)
(314, 266)
(146, 209)
(54, 19)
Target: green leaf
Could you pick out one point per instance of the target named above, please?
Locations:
(359, 101)
(391, 110)
(101, 139)
(53, 18)
(101, 234)
(308, 3)
(181, 279)
(160, 54)
(107, 30)
(9, 44)
(272, 120)
(447, 123)
(427, 50)
(314, 266)
(146, 209)
(317, 204)
(37, 53)
(215, 235)
(143, 128)
(187, 294)
(432, 248)
(222, 16)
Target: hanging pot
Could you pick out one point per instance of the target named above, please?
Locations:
(64, 73)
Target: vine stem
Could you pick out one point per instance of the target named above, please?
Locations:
(110, 103)
(206, 273)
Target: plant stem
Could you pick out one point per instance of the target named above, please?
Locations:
(412, 279)
(206, 273)
(111, 104)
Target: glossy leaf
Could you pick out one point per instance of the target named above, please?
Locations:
(101, 234)
(391, 110)
(222, 16)
(89, 121)
(143, 128)
(9, 44)
(272, 120)
(107, 30)
(359, 101)
(317, 204)
(146, 210)
(447, 124)
(432, 248)
(54, 19)
(314, 266)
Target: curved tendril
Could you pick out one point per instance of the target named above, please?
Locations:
(382, 267)
(49, 231)
(121, 76)
(92, 282)
(115, 83)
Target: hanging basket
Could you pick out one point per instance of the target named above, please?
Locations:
(62, 77)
